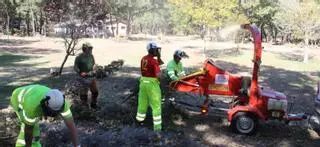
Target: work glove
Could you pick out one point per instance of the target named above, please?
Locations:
(83, 74)
(91, 73)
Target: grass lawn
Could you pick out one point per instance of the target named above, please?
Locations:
(274, 60)
(14, 73)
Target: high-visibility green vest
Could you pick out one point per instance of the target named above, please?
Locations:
(26, 102)
(175, 70)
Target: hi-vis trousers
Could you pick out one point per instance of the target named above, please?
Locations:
(150, 95)
(36, 136)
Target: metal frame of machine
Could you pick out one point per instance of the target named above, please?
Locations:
(250, 103)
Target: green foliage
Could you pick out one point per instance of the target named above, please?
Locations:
(169, 16)
(154, 21)
(262, 13)
(194, 15)
(181, 21)
(302, 22)
(129, 10)
(26, 6)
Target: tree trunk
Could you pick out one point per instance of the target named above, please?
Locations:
(33, 24)
(129, 19)
(275, 35)
(111, 22)
(70, 48)
(140, 28)
(261, 26)
(128, 27)
(117, 29)
(44, 29)
(306, 50)
(64, 61)
(8, 24)
(19, 23)
(28, 23)
(41, 23)
(204, 41)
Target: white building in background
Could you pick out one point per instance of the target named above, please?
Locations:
(98, 29)
(121, 26)
(64, 27)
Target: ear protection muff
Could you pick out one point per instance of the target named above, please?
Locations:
(47, 111)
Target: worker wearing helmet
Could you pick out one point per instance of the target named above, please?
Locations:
(175, 68)
(33, 102)
(149, 89)
(83, 65)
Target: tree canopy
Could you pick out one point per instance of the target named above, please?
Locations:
(273, 17)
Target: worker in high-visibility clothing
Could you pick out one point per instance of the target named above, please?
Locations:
(149, 88)
(33, 102)
(175, 68)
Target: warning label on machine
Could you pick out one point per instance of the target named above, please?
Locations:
(221, 83)
(221, 79)
(218, 87)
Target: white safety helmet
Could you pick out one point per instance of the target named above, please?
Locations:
(56, 100)
(152, 45)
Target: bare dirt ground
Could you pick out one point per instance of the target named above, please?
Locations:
(28, 60)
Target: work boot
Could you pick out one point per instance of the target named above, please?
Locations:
(138, 123)
(157, 128)
(158, 135)
(94, 98)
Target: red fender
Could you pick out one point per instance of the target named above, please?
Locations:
(248, 108)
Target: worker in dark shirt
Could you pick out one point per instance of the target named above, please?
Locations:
(83, 65)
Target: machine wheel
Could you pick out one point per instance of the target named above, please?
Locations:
(244, 123)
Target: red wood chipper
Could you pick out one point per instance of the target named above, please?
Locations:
(250, 102)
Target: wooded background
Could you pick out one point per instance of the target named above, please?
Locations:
(281, 21)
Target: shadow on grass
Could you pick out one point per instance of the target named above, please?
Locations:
(139, 38)
(192, 47)
(115, 88)
(12, 60)
(293, 57)
(15, 74)
(210, 131)
(16, 42)
(298, 86)
(215, 53)
(29, 50)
